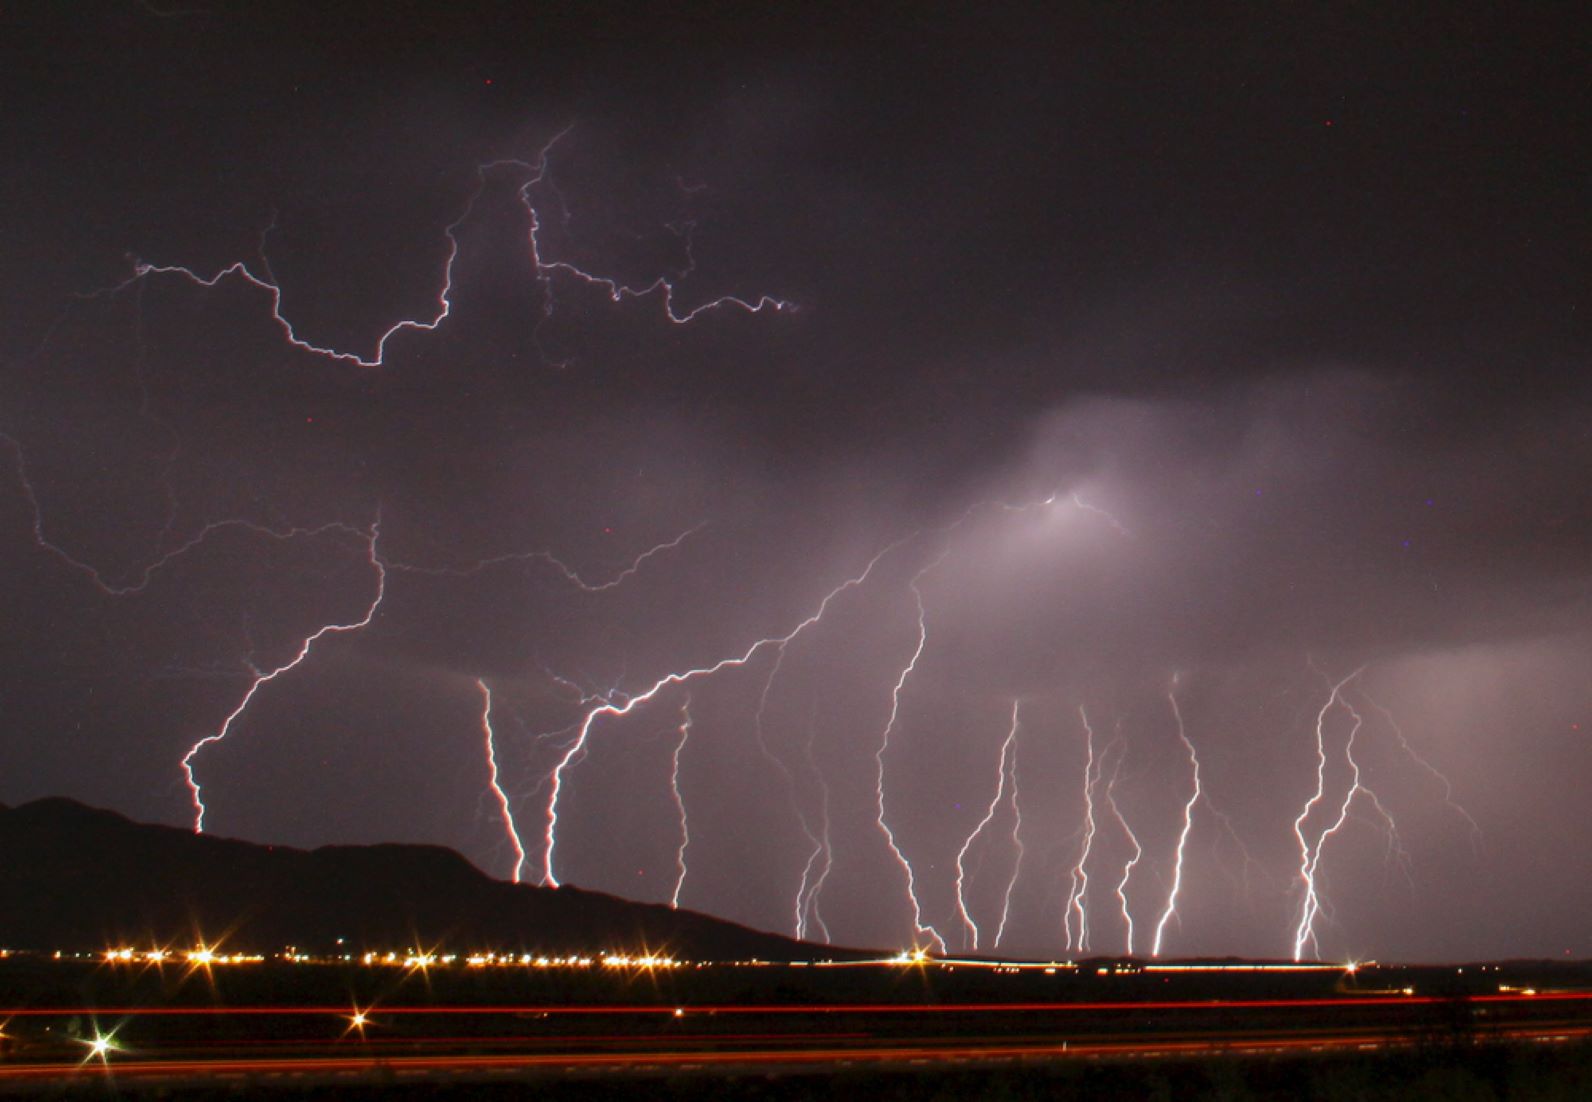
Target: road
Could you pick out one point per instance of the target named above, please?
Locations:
(291, 1045)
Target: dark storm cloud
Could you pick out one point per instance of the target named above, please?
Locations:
(1297, 302)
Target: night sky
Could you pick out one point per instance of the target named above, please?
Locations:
(1131, 365)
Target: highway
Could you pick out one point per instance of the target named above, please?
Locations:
(304, 1045)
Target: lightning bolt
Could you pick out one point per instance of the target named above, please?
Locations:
(492, 781)
(1080, 871)
(262, 679)
(808, 910)
(918, 926)
(970, 928)
(798, 924)
(536, 173)
(616, 709)
(1133, 840)
(566, 571)
(1311, 905)
(146, 574)
(1441, 777)
(1017, 828)
(1188, 822)
(679, 801)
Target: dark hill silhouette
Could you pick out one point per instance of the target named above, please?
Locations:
(74, 877)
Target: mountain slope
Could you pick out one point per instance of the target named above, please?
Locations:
(74, 877)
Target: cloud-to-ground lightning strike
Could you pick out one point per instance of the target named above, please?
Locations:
(1017, 829)
(1312, 905)
(1133, 840)
(808, 911)
(261, 679)
(502, 797)
(969, 927)
(1188, 823)
(798, 924)
(919, 928)
(1080, 871)
(536, 173)
(629, 704)
(1308, 905)
(679, 800)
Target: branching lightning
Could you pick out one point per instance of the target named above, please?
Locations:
(1188, 822)
(144, 575)
(919, 929)
(798, 924)
(501, 796)
(679, 801)
(536, 173)
(1017, 828)
(629, 704)
(1311, 903)
(1080, 871)
(565, 570)
(264, 678)
(1441, 777)
(808, 912)
(969, 927)
(1133, 840)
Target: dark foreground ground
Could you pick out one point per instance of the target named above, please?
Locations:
(1523, 1073)
(1104, 1029)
